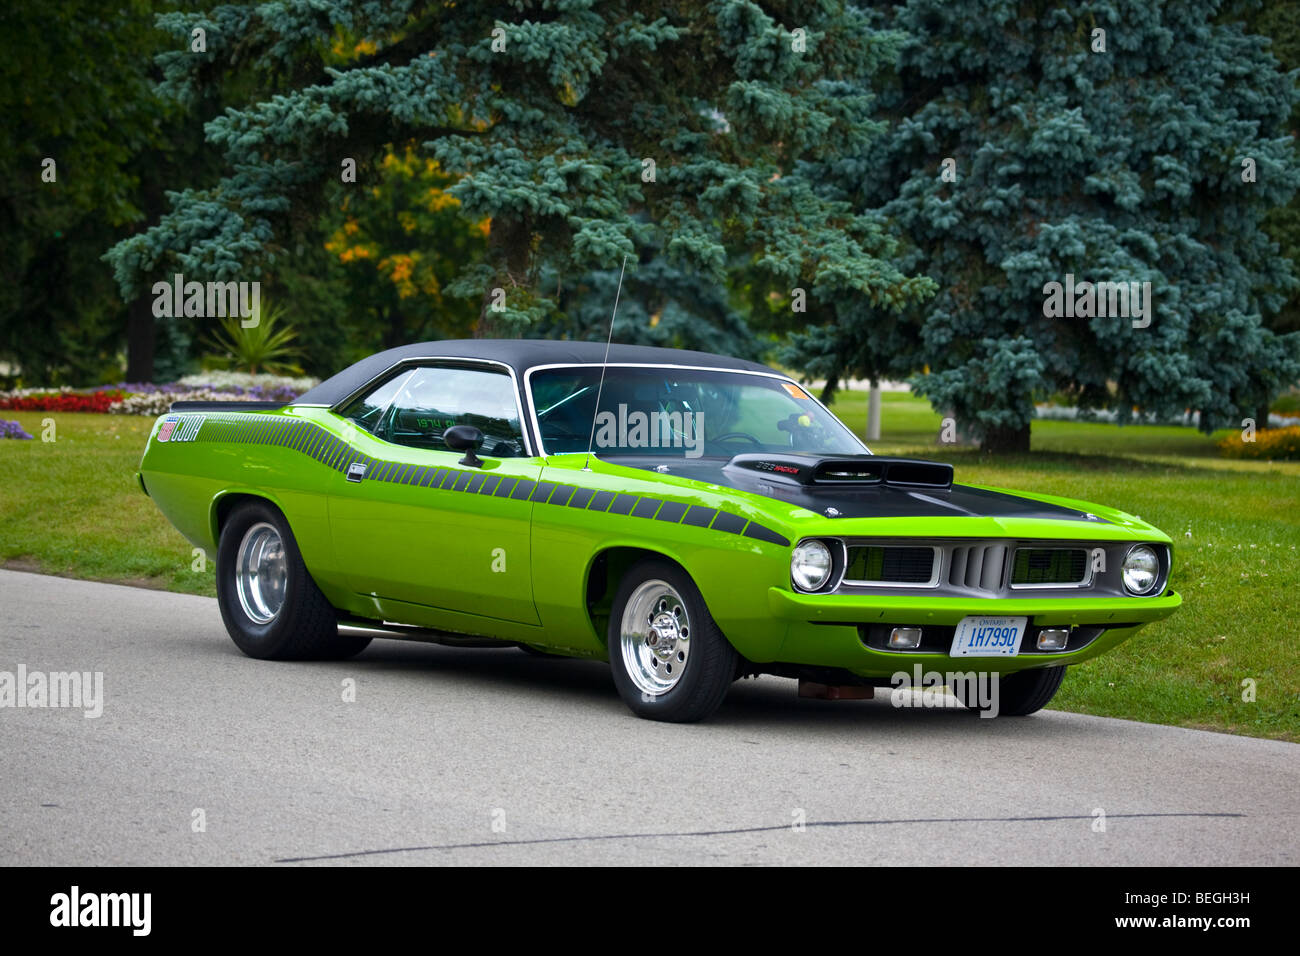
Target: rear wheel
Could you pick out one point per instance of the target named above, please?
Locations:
(1021, 693)
(668, 657)
(272, 608)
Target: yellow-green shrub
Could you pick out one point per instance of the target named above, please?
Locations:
(1273, 444)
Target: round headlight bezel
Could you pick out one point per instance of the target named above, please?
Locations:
(811, 545)
(1156, 574)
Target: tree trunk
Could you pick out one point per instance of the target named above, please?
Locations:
(141, 331)
(1006, 441)
(953, 431)
(873, 412)
(510, 255)
(1261, 416)
(140, 337)
(394, 328)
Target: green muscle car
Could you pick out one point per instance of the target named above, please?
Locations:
(691, 518)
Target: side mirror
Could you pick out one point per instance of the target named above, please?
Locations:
(465, 438)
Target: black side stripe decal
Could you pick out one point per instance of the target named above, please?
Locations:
(314, 441)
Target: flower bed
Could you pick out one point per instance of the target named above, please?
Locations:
(62, 402)
(147, 398)
(243, 381)
(10, 429)
(157, 403)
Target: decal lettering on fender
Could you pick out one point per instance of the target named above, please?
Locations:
(180, 428)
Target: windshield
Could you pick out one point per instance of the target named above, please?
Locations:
(681, 413)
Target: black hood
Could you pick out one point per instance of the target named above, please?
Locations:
(859, 486)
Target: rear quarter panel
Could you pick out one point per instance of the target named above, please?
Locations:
(188, 479)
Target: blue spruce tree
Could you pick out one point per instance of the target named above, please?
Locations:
(1030, 144)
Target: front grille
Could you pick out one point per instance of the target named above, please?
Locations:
(879, 564)
(984, 567)
(1048, 566)
(977, 566)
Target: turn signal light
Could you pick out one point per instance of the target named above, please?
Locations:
(904, 638)
(1053, 638)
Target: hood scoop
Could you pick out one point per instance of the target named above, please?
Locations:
(815, 471)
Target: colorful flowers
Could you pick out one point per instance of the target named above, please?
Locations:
(146, 398)
(10, 429)
(97, 402)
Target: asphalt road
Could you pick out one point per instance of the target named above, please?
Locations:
(498, 757)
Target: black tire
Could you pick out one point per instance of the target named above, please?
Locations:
(703, 681)
(305, 627)
(1022, 693)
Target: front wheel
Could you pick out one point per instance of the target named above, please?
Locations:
(272, 608)
(1022, 693)
(669, 659)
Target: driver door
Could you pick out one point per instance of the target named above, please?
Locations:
(421, 526)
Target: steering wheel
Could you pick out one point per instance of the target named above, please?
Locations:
(745, 435)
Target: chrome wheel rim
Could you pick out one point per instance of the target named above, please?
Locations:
(656, 638)
(261, 573)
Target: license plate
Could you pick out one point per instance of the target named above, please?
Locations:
(988, 637)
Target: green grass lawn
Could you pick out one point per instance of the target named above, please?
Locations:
(72, 507)
(1236, 531)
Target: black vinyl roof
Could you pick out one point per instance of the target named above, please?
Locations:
(519, 354)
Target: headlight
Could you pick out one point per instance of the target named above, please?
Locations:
(810, 565)
(1141, 569)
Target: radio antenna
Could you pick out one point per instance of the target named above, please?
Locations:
(586, 465)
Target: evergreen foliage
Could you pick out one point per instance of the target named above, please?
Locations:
(1117, 165)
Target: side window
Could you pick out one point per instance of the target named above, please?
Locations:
(368, 411)
(417, 407)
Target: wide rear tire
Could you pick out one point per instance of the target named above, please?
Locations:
(272, 608)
